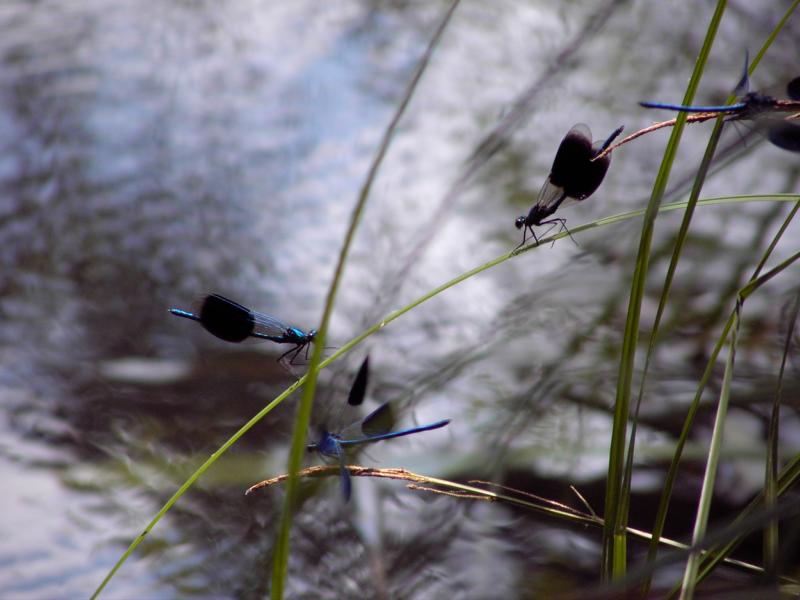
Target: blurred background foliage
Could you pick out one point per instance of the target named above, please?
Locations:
(153, 153)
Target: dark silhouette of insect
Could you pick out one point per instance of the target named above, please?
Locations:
(575, 174)
(375, 427)
(232, 322)
(762, 109)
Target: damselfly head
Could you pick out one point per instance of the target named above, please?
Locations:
(327, 443)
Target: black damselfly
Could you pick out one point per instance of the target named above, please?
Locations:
(232, 322)
(575, 174)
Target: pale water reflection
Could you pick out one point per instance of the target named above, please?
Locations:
(152, 154)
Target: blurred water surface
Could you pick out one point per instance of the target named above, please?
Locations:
(155, 152)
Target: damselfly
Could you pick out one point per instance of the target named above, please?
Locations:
(575, 174)
(375, 427)
(764, 109)
(232, 322)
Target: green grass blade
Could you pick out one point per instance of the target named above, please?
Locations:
(280, 559)
(710, 476)
(683, 233)
(788, 478)
(190, 482)
(771, 539)
(776, 239)
(772, 36)
(690, 578)
(699, 570)
(672, 472)
(753, 285)
(614, 531)
(661, 514)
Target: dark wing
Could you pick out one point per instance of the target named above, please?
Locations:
(793, 89)
(226, 319)
(573, 153)
(589, 177)
(573, 168)
(572, 157)
(233, 322)
(785, 135)
(379, 421)
(359, 388)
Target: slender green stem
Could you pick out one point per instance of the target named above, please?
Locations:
(280, 560)
(614, 544)
(710, 476)
(661, 518)
(771, 539)
(191, 481)
(690, 578)
(787, 479)
(694, 572)
(669, 481)
(672, 472)
(682, 236)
